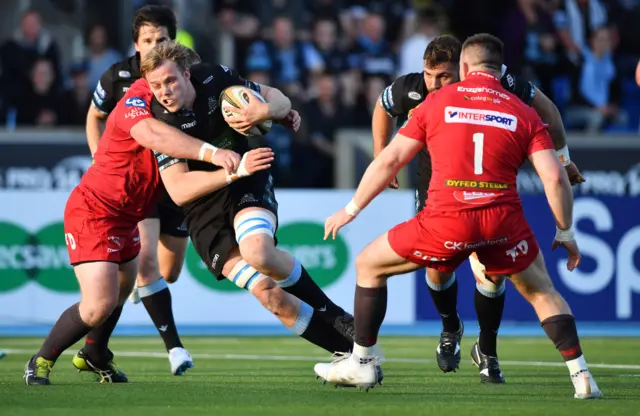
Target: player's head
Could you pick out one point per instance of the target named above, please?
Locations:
(153, 25)
(441, 60)
(166, 69)
(481, 52)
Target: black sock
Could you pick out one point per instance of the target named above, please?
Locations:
(562, 331)
(369, 309)
(301, 285)
(489, 311)
(158, 306)
(446, 303)
(323, 335)
(69, 329)
(97, 342)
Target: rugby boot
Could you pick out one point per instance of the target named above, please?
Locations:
(180, 360)
(488, 366)
(448, 350)
(585, 386)
(37, 370)
(349, 371)
(107, 372)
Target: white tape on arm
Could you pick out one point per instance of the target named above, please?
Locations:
(564, 235)
(563, 155)
(352, 209)
(207, 152)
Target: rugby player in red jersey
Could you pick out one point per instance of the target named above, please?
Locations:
(476, 148)
(100, 224)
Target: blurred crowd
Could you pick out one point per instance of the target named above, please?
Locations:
(334, 57)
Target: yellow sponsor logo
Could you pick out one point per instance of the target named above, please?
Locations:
(456, 183)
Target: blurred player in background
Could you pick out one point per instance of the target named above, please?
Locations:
(233, 229)
(101, 229)
(163, 236)
(477, 147)
(441, 67)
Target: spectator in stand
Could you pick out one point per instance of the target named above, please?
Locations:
(78, 98)
(42, 103)
(372, 54)
(363, 112)
(101, 55)
(324, 116)
(18, 55)
(428, 27)
(290, 62)
(575, 20)
(599, 91)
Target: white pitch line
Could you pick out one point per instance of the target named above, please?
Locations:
(252, 357)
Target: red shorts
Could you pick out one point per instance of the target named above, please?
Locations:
(92, 235)
(499, 235)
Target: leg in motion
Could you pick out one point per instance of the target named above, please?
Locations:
(535, 285)
(99, 288)
(489, 300)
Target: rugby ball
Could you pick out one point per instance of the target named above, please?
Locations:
(239, 97)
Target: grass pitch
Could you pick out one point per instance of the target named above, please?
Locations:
(274, 376)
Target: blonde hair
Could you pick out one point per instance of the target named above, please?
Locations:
(183, 57)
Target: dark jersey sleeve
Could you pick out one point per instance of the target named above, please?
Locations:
(104, 99)
(164, 161)
(403, 95)
(522, 88)
(228, 77)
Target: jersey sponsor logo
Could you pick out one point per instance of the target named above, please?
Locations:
(484, 90)
(456, 183)
(136, 112)
(463, 245)
(483, 74)
(125, 89)
(414, 95)
(480, 117)
(482, 98)
(521, 249)
(476, 198)
(225, 68)
(188, 125)
(213, 104)
(427, 257)
(208, 80)
(100, 91)
(510, 81)
(124, 74)
(135, 102)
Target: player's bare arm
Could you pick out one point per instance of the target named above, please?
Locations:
(382, 128)
(277, 107)
(550, 114)
(162, 138)
(394, 157)
(560, 197)
(185, 186)
(94, 127)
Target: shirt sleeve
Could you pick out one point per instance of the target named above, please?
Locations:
(416, 126)
(392, 98)
(131, 110)
(540, 138)
(521, 88)
(165, 161)
(104, 99)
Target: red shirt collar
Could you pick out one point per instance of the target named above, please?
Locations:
(478, 74)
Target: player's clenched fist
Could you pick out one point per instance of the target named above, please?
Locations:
(227, 159)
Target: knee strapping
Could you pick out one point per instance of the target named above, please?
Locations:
(245, 276)
(255, 222)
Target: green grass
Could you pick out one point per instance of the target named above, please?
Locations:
(242, 376)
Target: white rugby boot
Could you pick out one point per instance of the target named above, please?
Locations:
(180, 360)
(585, 385)
(347, 370)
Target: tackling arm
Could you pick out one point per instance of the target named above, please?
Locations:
(556, 186)
(383, 168)
(162, 138)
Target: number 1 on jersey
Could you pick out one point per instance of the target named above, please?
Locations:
(478, 140)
